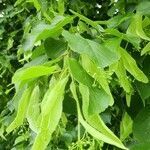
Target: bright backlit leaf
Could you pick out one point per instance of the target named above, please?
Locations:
(32, 72)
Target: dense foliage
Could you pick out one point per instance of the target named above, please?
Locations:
(74, 74)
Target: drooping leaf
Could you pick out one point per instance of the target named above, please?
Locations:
(99, 99)
(95, 119)
(42, 31)
(97, 73)
(80, 75)
(136, 28)
(51, 110)
(99, 53)
(95, 133)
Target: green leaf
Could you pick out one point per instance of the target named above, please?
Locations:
(143, 8)
(143, 89)
(98, 74)
(21, 112)
(99, 53)
(36, 4)
(131, 38)
(42, 31)
(95, 133)
(54, 48)
(131, 66)
(146, 49)
(117, 20)
(99, 99)
(136, 28)
(81, 75)
(125, 126)
(61, 8)
(95, 120)
(88, 21)
(141, 125)
(32, 72)
(51, 110)
(38, 51)
(37, 61)
(141, 146)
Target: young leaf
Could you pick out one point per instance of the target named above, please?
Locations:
(99, 53)
(131, 66)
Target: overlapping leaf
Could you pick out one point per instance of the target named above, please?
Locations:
(101, 55)
(99, 99)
